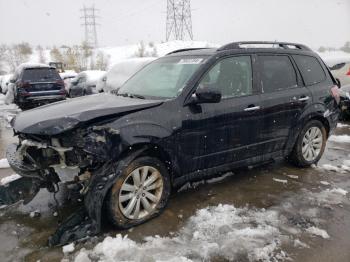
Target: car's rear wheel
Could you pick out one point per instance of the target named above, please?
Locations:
(310, 144)
(140, 193)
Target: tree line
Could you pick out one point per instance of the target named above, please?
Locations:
(77, 57)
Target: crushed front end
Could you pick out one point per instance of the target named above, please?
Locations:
(87, 150)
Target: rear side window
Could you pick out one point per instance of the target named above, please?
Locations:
(311, 69)
(277, 73)
(40, 75)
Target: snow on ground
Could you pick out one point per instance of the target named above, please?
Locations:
(340, 139)
(344, 168)
(4, 163)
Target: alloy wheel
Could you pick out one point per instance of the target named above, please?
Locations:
(140, 192)
(312, 143)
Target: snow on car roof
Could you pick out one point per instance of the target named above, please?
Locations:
(92, 75)
(68, 73)
(334, 58)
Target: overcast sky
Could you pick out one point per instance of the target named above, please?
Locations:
(56, 22)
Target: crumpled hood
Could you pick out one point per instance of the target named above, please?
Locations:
(59, 117)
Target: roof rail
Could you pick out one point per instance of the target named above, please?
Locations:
(186, 49)
(284, 45)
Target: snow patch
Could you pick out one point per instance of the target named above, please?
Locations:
(334, 196)
(325, 183)
(68, 248)
(4, 163)
(293, 176)
(318, 232)
(215, 232)
(340, 139)
(9, 179)
(280, 180)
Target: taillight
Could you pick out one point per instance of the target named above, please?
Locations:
(63, 91)
(335, 93)
(24, 84)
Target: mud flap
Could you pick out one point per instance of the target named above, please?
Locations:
(23, 188)
(86, 222)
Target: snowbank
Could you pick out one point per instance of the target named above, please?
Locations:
(215, 232)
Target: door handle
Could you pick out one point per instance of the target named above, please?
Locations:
(253, 108)
(304, 98)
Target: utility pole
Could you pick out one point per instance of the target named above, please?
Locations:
(89, 18)
(179, 20)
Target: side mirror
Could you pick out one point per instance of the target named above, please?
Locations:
(74, 82)
(205, 94)
(12, 81)
(338, 82)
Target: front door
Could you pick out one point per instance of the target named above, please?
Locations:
(228, 131)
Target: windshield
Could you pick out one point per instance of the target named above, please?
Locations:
(165, 77)
(40, 75)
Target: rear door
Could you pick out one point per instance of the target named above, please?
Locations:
(284, 97)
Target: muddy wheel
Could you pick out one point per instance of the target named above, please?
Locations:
(140, 193)
(310, 144)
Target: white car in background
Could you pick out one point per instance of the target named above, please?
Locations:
(4, 82)
(101, 83)
(340, 68)
(123, 70)
(85, 83)
(67, 76)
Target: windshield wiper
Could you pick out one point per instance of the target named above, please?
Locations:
(130, 95)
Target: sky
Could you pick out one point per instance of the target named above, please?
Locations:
(52, 22)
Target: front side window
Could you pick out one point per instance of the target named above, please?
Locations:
(164, 78)
(277, 73)
(310, 68)
(232, 76)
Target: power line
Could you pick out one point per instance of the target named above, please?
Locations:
(179, 19)
(89, 18)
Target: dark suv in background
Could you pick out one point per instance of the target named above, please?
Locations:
(189, 115)
(36, 85)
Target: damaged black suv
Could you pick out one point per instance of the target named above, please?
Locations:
(189, 115)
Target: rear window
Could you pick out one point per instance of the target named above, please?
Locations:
(40, 75)
(311, 69)
(277, 73)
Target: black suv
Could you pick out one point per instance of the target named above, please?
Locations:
(36, 85)
(186, 116)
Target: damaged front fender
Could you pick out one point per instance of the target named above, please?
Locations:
(87, 221)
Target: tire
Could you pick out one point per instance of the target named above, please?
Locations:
(118, 210)
(298, 156)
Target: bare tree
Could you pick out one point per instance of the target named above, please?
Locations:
(41, 54)
(56, 54)
(102, 61)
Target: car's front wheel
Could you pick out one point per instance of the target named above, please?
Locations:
(140, 193)
(310, 144)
